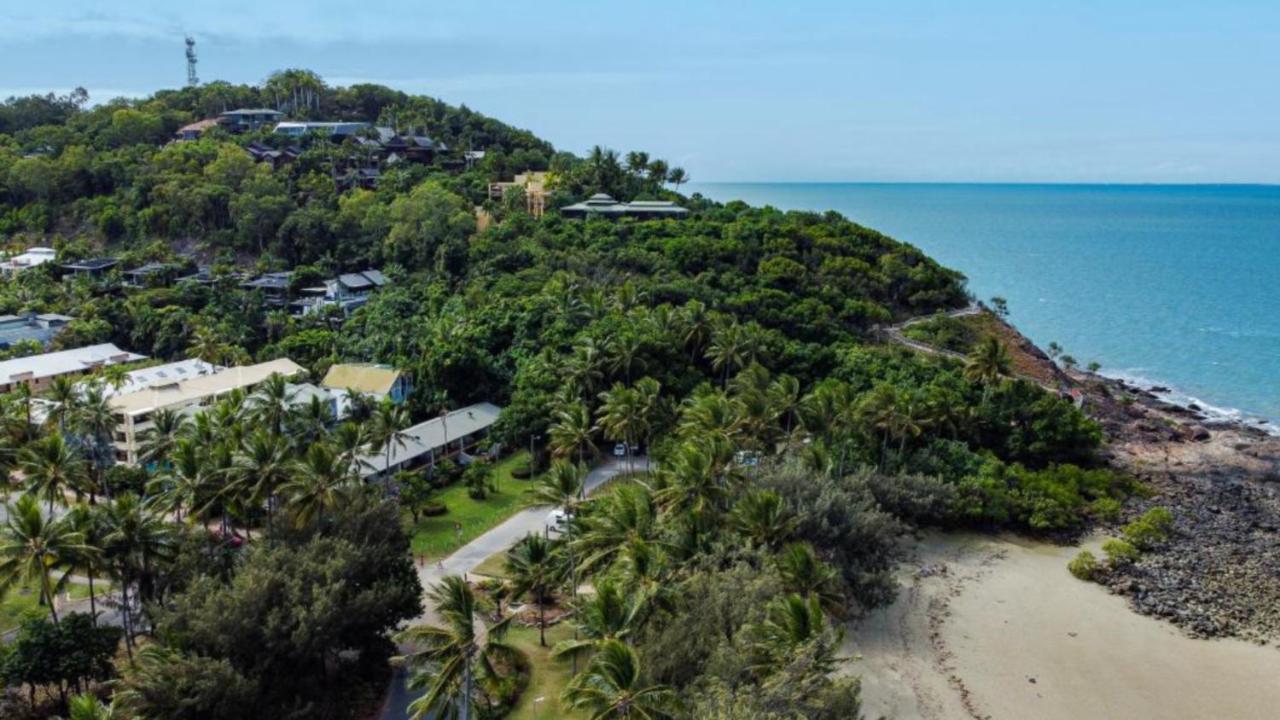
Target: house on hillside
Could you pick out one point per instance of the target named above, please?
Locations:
(32, 327)
(246, 119)
(194, 130)
(334, 131)
(533, 183)
(150, 275)
(413, 148)
(347, 291)
(31, 257)
(38, 371)
(93, 268)
(379, 381)
(274, 287)
(602, 205)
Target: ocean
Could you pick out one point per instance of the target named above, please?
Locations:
(1174, 286)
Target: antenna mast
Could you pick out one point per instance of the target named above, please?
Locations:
(192, 80)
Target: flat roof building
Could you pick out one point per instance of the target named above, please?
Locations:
(602, 205)
(38, 371)
(436, 438)
(144, 378)
(31, 257)
(380, 381)
(39, 328)
(134, 410)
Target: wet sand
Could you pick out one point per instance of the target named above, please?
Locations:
(997, 628)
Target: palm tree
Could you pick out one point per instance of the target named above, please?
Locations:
(270, 403)
(158, 442)
(696, 327)
(621, 417)
(805, 574)
(611, 686)
(534, 569)
(677, 177)
(310, 421)
(762, 517)
(625, 351)
(51, 467)
(454, 653)
(137, 537)
(607, 614)
(572, 432)
(317, 485)
(88, 521)
(627, 514)
(652, 410)
(658, 170)
(386, 432)
(88, 706)
(95, 421)
(188, 481)
(562, 486)
(65, 398)
(790, 622)
(349, 442)
(261, 466)
(988, 362)
(33, 546)
(784, 401)
(728, 349)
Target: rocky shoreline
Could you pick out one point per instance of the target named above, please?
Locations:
(1218, 574)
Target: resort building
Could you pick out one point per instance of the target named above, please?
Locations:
(150, 275)
(347, 291)
(93, 268)
(32, 257)
(137, 380)
(134, 410)
(435, 439)
(379, 381)
(30, 328)
(248, 118)
(602, 205)
(38, 371)
(273, 286)
(534, 185)
(335, 131)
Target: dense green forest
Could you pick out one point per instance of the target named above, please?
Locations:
(720, 584)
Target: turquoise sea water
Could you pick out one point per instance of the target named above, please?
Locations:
(1168, 285)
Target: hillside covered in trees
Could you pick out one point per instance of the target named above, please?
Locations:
(734, 335)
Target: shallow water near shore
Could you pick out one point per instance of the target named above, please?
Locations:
(997, 628)
(1167, 285)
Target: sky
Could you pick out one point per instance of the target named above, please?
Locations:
(800, 90)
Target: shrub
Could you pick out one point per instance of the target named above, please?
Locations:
(522, 470)
(1120, 551)
(1150, 529)
(1084, 566)
(434, 509)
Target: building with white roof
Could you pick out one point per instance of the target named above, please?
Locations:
(38, 371)
(436, 438)
(161, 375)
(134, 410)
(33, 257)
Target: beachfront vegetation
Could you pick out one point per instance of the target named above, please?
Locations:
(788, 450)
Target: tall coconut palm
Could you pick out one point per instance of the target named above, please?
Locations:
(260, 467)
(535, 569)
(804, 573)
(629, 513)
(270, 403)
(609, 613)
(612, 687)
(158, 442)
(653, 410)
(762, 517)
(33, 547)
(386, 432)
(188, 482)
(621, 417)
(454, 654)
(138, 538)
(88, 521)
(728, 349)
(790, 622)
(310, 421)
(572, 432)
(677, 177)
(317, 486)
(987, 364)
(51, 467)
(95, 422)
(64, 397)
(625, 354)
(562, 486)
(784, 400)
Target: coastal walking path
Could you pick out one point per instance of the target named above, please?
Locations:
(894, 332)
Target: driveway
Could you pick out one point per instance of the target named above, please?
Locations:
(466, 558)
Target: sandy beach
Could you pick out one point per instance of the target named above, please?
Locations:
(997, 628)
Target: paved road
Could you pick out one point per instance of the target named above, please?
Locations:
(896, 335)
(465, 559)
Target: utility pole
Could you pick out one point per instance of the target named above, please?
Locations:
(192, 80)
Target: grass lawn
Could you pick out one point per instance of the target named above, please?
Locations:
(541, 700)
(435, 537)
(22, 603)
